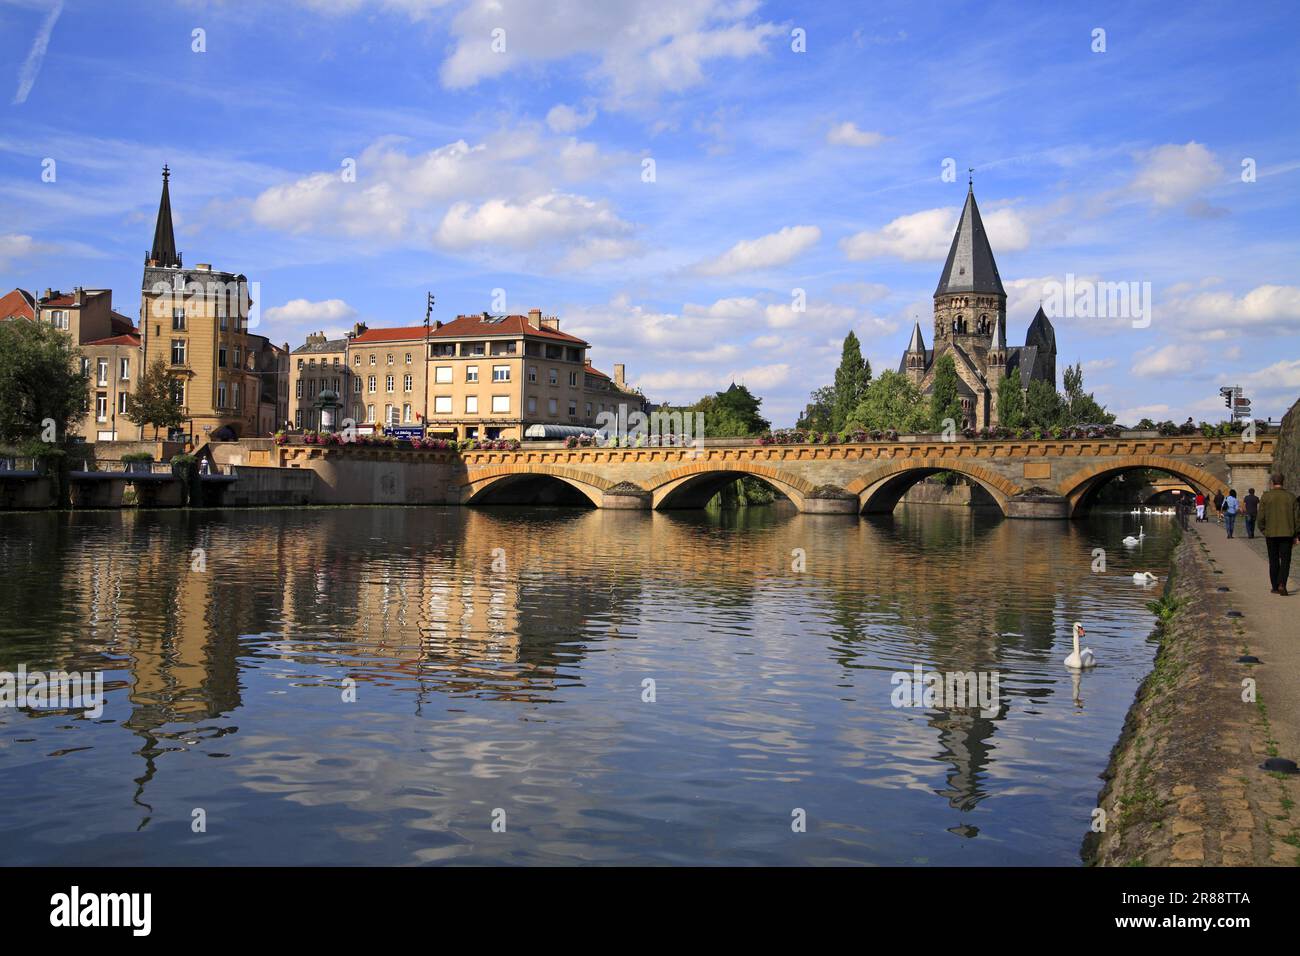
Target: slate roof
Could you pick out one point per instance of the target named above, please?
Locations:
(970, 266)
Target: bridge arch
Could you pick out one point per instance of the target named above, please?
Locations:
(506, 481)
(880, 489)
(1078, 487)
(694, 485)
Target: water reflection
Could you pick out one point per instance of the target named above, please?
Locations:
(499, 659)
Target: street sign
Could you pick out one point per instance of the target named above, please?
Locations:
(405, 432)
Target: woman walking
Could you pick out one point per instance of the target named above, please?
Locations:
(1230, 510)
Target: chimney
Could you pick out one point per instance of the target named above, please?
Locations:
(551, 322)
(535, 318)
(49, 294)
(618, 375)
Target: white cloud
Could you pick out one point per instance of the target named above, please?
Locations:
(1170, 175)
(927, 235)
(563, 118)
(535, 223)
(14, 246)
(848, 134)
(1274, 308)
(328, 312)
(1168, 361)
(765, 252)
(643, 46)
(31, 67)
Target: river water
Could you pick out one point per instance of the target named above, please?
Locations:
(532, 686)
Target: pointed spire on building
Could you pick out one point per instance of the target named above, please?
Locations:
(999, 342)
(163, 253)
(917, 344)
(1041, 333)
(970, 266)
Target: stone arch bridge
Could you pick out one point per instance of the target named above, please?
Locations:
(1048, 478)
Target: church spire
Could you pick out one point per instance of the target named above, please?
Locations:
(917, 344)
(164, 252)
(970, 266)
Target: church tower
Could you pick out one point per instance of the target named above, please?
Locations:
(914, 357)
(969, 302)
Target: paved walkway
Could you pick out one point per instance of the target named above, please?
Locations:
(1271, 623)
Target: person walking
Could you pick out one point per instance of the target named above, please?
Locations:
(1230, 505)
(1250, 505)
(1184, 509)
(1200, 506)
(1218, 506)
(1279, 523)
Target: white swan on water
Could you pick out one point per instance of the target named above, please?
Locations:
(1132, 542)
(1144, 577)
(1080, 659)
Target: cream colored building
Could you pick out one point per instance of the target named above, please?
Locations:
(478, 376)
(319, 364)
(196, 321)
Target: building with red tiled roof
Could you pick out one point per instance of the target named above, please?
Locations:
(477, 376)
(18, 304)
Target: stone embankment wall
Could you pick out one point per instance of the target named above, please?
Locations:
(1286, 454)
(1183, 786)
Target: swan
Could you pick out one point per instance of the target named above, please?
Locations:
(1080, 659)
(1144, 577)
(1132, 542)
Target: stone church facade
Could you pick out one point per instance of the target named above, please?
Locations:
(970, 323)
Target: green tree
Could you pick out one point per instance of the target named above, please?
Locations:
(851, 381)
(1043, 406)
(817, 416)
(41, 380)
(152, 403)
(892, 401)
(1080, 406)
(944, 403)
(1011, 401)
(732, 414)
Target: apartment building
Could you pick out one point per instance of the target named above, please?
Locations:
(388, 384)
(318, 366)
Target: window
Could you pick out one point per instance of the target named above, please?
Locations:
(373, 359)
(500, 403)
(408, 358)
(390, 414)
(588, 409)
(299, 389)
(178, 392)
(356, 360)
(221, 314)
(178, 351)
(442, 374)
(388, 384)
(390, 358)
(370, 384)
(573, 380)
(221, 357)
(59, 319)
(552, 406)
(297, 418)
(406, 412)
(370, 414)
(573, 409)
(300, 364)
(471, 373)
(239, 357)
(101, 406)
(121, 403)
(500, 373)
(408, 382)
(442, 404)
(532, 405)
(124, 369)
(178, 319)
(234, 393)
(356, 385)
(554, 376)
(471, 404)
(532, 373)
(221, 395)
(101, 371)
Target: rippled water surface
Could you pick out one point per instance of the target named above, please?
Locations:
(520, 688)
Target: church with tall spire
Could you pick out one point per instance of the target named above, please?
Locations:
(970, 323)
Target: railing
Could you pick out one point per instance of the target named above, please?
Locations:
(115, 467)
(18, 463)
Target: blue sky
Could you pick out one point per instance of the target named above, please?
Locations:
(524, 170)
